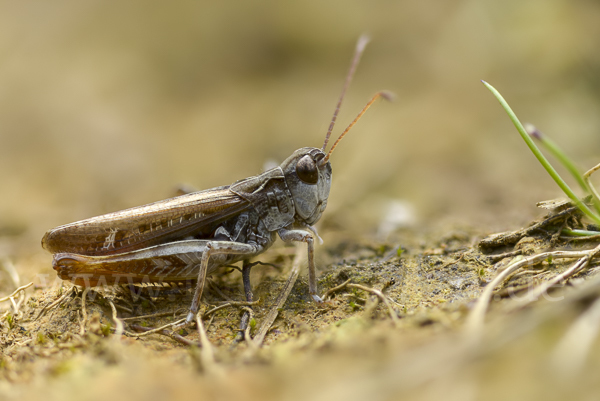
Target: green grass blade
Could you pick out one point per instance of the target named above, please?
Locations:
(566, 161)
(558, 153)
(538, 154)
(579, 233)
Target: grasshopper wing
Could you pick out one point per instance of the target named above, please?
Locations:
(192, 215)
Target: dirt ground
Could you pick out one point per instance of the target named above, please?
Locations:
(348, 348)
(106, 105)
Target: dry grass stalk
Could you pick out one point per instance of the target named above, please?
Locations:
(475, 321)
(119, 324)
(283, 295)
(571, 352)
(15, 292)
(380, 296)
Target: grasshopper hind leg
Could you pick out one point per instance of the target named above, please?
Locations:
(217, 248)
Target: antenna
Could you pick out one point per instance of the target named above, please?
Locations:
(360, 48)
(385, 95)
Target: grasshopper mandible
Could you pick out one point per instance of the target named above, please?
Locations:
(188, 237)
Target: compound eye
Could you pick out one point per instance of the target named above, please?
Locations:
(307, 170)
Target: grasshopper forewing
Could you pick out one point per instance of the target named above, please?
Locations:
(188, 237)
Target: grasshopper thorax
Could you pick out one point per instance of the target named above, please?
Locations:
(309, 180)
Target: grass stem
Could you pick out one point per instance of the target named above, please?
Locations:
(541, 158)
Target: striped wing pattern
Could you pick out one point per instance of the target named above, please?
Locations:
(143, 226)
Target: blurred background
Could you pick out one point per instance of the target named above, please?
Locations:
(106, 105)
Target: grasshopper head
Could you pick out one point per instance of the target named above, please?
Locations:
(309, 179)
(308, 171)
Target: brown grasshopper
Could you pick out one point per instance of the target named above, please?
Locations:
(188, 237)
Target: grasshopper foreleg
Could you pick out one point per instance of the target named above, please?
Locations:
(303, 236)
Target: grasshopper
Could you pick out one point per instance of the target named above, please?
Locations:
(188, 237)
